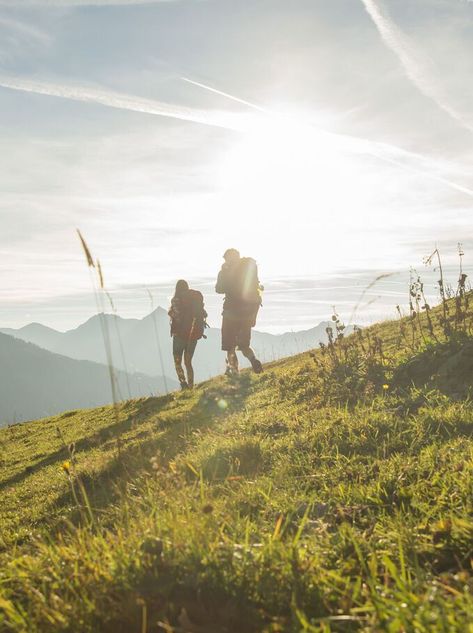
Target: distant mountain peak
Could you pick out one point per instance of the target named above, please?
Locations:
(157, 312)
(97, 317)
(37, 326)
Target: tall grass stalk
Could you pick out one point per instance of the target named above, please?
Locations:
(158, 344)
(120, 341)
(98, 296)
(441, 283)
(363, 294)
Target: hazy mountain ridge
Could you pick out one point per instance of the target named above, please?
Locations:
(36, 382)
(134, 343)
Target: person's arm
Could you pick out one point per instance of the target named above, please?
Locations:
(220, 287)
(173, 310)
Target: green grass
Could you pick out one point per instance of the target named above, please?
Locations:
(311, 498)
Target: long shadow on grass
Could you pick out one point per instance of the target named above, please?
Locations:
(171, 436)
(151, 405)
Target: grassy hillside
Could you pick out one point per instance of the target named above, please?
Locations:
(332, 493)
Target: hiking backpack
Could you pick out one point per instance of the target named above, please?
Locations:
(189, 318)
(247, 285)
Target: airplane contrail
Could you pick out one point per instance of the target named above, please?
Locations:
(383, 151)
(122, 102)
(416, 66)
(226, 94)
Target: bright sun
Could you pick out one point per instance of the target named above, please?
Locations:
(288, 181)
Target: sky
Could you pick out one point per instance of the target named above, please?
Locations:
(330, 140)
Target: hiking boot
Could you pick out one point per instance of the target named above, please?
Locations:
(184, 385)
(231, 371)
(257, 366)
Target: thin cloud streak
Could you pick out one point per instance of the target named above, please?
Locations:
(226, 94)
(416, 66)
(120, 101)
(25, 29)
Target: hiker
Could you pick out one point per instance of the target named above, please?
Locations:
(188, 322)
(238, 281)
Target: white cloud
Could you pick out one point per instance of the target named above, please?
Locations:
(417, 66)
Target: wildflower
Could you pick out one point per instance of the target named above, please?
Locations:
(385, 387)
(66, 466)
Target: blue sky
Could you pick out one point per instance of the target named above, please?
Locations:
(351, 157)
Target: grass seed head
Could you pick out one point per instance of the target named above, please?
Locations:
(88, 256)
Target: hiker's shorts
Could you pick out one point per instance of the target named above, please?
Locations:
(181, 345)
(236, 332)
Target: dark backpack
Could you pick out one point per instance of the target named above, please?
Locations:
(191, 321)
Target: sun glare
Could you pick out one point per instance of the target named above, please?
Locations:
(287, 179)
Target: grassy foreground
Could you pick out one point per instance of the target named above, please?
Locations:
(332, 493)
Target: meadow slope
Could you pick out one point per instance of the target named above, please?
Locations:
(332, 493)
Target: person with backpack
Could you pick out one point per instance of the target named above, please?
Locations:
(238, 281)
(188, 322)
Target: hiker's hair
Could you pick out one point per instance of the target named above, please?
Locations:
(181, 287)
(231, 253)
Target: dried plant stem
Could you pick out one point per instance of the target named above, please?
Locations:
(443, 294)
(120, 341)
(101, 312)
(158, 344)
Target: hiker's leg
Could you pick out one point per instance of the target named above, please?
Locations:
(232, 360)
(248, 353)
(229, 342)
(189, 370)
(244, 339)
(188, 355)
(180, 370)
(178, 351)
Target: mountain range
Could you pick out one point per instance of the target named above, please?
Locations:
(37, 383)
(144, 345)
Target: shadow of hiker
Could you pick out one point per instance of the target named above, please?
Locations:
(228, 394)
(170, 440)
(153, 404)
(169, 433)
